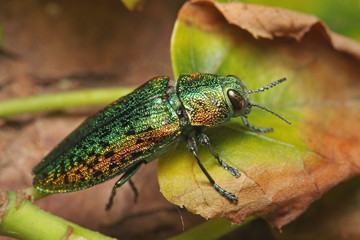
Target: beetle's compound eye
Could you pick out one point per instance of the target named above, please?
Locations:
(237, 101)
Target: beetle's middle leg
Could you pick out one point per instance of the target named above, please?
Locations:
(124, 178)
(204, 139)
(193, 149)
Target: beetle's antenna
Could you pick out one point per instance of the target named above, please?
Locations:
(267, 86)
(264, 108)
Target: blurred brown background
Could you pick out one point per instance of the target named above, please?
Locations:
(54, 46)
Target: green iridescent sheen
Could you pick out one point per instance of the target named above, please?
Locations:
(142, 126)
(134, 128)
(204, 97)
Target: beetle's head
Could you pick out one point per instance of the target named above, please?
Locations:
(237, 96)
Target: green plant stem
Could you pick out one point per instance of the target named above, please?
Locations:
(34, 194)
(30, 222)
(58, 101)
(210, 230)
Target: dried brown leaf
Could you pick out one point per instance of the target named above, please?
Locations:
(284, 171)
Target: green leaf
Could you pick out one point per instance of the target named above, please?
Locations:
(210, 230)
(282, 172)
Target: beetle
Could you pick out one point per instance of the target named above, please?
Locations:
(142, 126)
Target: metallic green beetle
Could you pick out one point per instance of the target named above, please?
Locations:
(141, 126)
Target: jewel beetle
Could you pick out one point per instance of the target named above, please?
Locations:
(143, 125)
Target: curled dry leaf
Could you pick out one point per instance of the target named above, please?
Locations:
(286, 170)
(335, 216)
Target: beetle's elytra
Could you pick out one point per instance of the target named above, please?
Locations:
(141, 126)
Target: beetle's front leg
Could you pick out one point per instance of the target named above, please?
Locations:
(204, 139)
(258, 129)
(193, 149)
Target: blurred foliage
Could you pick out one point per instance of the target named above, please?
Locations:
(133, 4)
(341, 16)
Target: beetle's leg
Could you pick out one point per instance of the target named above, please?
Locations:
(124, 178)
(258, 129)
(192, 148)
(133, 187)
(204, 139)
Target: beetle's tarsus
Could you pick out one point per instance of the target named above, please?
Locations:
(226, 194)
(232, 170)
(136, 192)
(192, 148)
(111, 199)
(252, 127)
